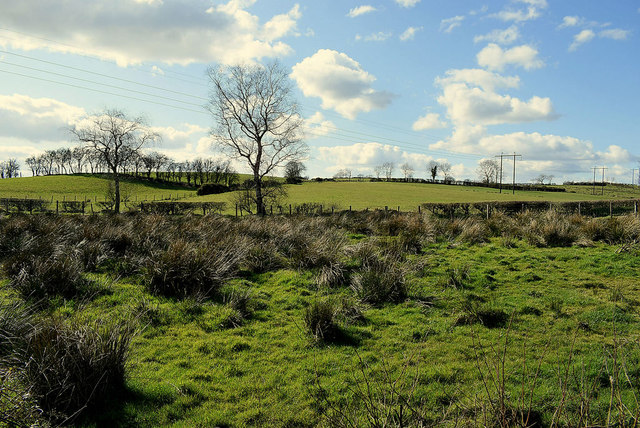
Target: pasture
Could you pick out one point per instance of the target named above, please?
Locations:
(358, 318)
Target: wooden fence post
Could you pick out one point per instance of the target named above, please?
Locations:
(82, 207)
(349, 208)
(57, 207)
(418, 209)
(487, 211)
(236, 210)
(610, 209)
(289, 209)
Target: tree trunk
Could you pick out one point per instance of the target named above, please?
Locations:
(260, 210)
(116, 188)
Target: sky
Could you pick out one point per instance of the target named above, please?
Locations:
(402, 81)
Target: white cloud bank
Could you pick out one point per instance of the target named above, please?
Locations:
(183, 31)
(503, 37)
(361, 10)
(410, 33)
(428, 121)
(340, 82)
(532, 10)
(407, 3)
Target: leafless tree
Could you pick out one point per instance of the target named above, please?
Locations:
(488, 170)
(407, 170)
(445, 169)
(543, 179)
(257, 119)
(432, 169)
(115, 138)
(378, 170)
(388, 168)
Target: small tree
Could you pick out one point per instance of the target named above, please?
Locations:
(293, 171)
(445, 169)
(257, 119)
(378, 170)
(407, 171)
(488, 170)
(432, 169)
(114, 138)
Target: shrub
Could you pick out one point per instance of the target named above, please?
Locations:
(71, 367)
(319, 319)
(331, 275)
(212, 189)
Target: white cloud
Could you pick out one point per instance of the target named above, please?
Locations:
(532, 11)
(477, 77)
(340, 82)
(361, 10)
(316, 126)
(407, 3)
(364, 156)
(503, 37)
(409, 33)
(183, 32)
(495, 58)
(570, 21)
(581, 38)
(428, 121)
(375, 37)
(449, 24)
(615, 34)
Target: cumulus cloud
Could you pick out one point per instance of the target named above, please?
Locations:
(364, 156)
(532, 10)
(570, 21)
(581, 38)
(317, 126)
(409, 33)
(380, 36)
(503, 37)
(361, 10)
(340, 82)
(470, 97)
(449, 24)
(183, 32)
(495, 58)
(407, 3)
(428, 121)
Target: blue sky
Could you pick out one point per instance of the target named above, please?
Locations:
(389, 80)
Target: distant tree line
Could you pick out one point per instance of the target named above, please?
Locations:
(82, 159)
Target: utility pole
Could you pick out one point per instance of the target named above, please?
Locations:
(603, 169)
(501, 156)
(513, 185)
(594, 180)
(633, 176)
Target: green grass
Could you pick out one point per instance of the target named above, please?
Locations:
(188, 368)
(372, 195)
(81, 186)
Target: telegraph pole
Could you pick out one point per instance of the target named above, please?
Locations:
(603, 169)
(500, 156)
(513, 185)
(633, 176)
(594, 180)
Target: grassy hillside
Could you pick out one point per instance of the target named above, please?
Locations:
(87, 186)
(361, 195)
(318, 321)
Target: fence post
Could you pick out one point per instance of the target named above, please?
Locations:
(418, 209)
(236, 210)
(635, 208)
(487, 211)
(271, 209)
(349, 208)
(579, 208)
(610, 209)
(289, 209)
(386, 208)
(57, 207)
(91, 208)
(332, 210)
(398, 208)
(82, 207)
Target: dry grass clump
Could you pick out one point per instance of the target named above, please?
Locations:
(320, 320)
(381, 277)
(187, 269)
(550, 229)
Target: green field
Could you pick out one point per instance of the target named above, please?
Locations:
(86, 187)
(534, 315)
(407, 196)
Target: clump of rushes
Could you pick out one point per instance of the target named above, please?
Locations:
(320, 320)
(381, 279)
(186, 269)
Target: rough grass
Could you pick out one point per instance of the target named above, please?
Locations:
(245, 357)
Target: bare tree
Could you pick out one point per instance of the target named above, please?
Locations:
(432, 168)
(388, 168)
(115, 138)
(488, 170)
(257, 119)
(378, 170)
(407, 170)
(445, 169)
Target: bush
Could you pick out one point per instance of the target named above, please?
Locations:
(212, 189)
